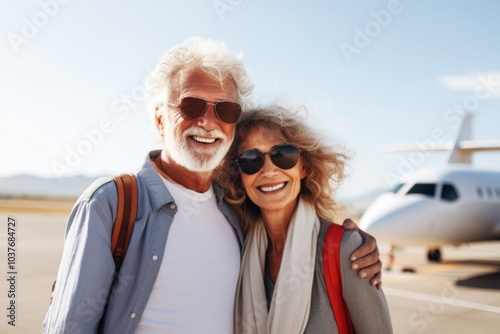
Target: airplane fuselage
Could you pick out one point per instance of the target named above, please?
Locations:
(438, 206)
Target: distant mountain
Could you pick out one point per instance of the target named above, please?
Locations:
(72, 187)
(33, 186)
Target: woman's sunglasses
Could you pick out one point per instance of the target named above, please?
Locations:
(194, 107)
(282, 156)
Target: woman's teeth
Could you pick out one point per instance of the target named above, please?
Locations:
(273, 188)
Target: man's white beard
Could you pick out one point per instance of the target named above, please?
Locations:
(196, 160)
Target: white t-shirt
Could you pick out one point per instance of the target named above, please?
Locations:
(196, 284)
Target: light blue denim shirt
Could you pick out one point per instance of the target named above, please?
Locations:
(85, 275)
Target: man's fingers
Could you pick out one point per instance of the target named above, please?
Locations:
(349, 224)
(366, 257)
(369, 247)
(368, 265)
(376, 281)
(371, 270)
(369, 243)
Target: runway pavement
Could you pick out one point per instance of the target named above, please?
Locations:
(459, 295)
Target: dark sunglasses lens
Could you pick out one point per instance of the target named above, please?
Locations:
(192, 107)
(250, 162)
(285, 156)
(228, 112)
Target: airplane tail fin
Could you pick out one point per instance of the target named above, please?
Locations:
(456, 155)
(459, 151)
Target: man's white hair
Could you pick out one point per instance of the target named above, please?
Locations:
(210, 56)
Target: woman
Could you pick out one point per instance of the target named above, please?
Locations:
(281, 177)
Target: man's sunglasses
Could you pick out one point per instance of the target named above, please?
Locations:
(282, 156)
(194, 107)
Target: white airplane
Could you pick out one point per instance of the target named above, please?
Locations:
(447, 205)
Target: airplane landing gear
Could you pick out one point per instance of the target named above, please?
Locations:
(434, 255)
(390, 260)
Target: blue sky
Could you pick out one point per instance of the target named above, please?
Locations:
(370, 73)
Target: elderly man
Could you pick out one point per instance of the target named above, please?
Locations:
(183, 261)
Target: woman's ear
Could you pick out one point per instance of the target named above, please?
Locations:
(303, 171)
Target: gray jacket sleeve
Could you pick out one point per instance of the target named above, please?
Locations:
(87, 267)
(367, 305)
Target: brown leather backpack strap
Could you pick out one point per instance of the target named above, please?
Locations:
(126, 213)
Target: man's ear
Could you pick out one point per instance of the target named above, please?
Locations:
(158, 118)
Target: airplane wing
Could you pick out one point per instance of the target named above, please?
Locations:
(416, 147)
(460, 149)
(479, 145)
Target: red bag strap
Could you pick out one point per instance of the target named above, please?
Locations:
(126, 214)
(333, 278)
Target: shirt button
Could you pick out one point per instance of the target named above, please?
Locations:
(132, 315)
(155, 257)
(172, 206)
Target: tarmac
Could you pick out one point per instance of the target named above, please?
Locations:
(459, 295)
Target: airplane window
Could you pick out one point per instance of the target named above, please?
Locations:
(449, 192)
(399, 186)
(489, 191)
(479, 191)
(497, 191)
(428, 189)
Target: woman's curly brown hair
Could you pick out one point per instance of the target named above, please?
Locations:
(324, 163)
